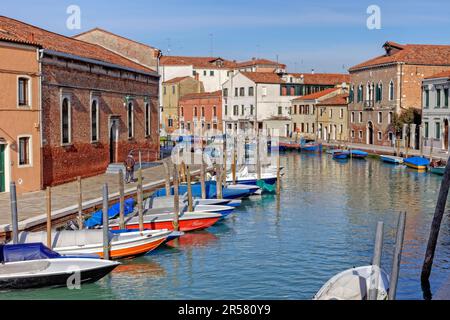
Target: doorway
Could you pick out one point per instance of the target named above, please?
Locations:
(446, 134)
(113, 139)
(369, 132)
(2, 168)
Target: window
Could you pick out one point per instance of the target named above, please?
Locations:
(236, 92)
(331, 113)
(264, 91)
(211, 73)
(427, 98)
(204, 73)
(390, 136)
(242, 110)
(130, 120)
(225, 92)
(280, 111)
(351, 95)
(391, 90)
(24, 91)
(360, 93)
(295, 109)
(195, 112)
(24, 151)
(426, 130)
(242, 92)
(194, 73)
(341, 129)
(379, 92)
(251, 91)
(235, 110)
(380, 135)
(360, 134)
(170, 123)
(148, 118)
(226, 110)
(360, 117)
(438, 98)
(214, 111)
(203, 111)
(341, 113)
(173, 89)
(380, 117)
(353, 133)
(438, 130)
(390, 118)
(94, 120)
(65, 121)
(446, 97)
(165, 90)
(352, 117)
(251, 109)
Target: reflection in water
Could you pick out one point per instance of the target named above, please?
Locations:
(324, 222)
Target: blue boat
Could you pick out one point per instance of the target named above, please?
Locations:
(417, 163)
(391, 159)
(96, 218)
(311, 147)
(341, 155)
(211, 191)
(358, 154)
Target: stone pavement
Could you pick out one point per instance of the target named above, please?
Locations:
(32, 206)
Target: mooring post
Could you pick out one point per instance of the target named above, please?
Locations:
(105, 223)
(176, 199)
(376, 263)
(140, 159)
(140, 200)
(49, 217)
(167, 171)
(202, 179)
(189, 188)
(234, 165)
(80, 204)
(397, 255)
(278, 175)
(258, 160)
(218, 182)
(225, 156)
(121, 201)
(436, 225)
(14, 214)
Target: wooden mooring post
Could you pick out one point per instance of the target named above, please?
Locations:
(278, 175)
(140, 199)
(434, 232)
(202, 178)
(176, 199)
(14, 214)
(167, 177)
(80, 203)
(397, 255)
(376, 262)
(258, 159)
(49, 216)
(105, 222)
(218, 182)
(189, 188)
(121, 201)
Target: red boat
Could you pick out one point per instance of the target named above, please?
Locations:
(188, 221)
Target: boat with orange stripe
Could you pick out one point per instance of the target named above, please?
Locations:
(123, 244)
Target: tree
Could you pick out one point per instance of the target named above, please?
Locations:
(408, 116)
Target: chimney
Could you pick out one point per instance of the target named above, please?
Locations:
(312, 71)
(197, 76)
(253, 59)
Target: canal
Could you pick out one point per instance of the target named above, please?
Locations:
(325, 223)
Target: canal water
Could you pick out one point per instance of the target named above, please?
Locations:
(325, 223)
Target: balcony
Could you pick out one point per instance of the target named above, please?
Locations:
(369, 104)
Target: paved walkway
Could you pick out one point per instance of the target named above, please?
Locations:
(32, 206)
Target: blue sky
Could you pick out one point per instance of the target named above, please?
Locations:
(325, 35)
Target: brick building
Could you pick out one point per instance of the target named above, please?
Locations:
(201, 111)
(94, 106)
(389, 84)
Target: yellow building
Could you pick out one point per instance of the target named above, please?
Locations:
(172, 91)
(332, 118)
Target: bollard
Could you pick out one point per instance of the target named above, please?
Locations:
(105, 223)
(14, 214)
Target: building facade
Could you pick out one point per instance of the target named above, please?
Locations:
(332, 118)
(201, 111)
(95, 107)
(172, 91)
(387, 85)
(436, 112)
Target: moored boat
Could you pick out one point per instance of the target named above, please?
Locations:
(418, 163)
(341, 155)
(311, 147)
(391, 159)
(33, 265)
(354, 284)
(440, 170)
(358, 154)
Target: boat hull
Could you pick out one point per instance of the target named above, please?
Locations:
(341, 155)
(185, 225)
(438, 170)
(391, 159)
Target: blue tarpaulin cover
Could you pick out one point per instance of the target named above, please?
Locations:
(417, 161)
(26, 252)
(96, 218)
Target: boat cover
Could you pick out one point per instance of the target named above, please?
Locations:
(96, 218)
(66, 238)
(26, 252)
(265, 187)
(417, 161)
(359, 153)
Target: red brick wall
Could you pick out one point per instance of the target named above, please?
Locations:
(208, 103)
(83, 158)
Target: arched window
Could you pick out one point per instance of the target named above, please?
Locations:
(65, 121)
(391, 90)
(351, 96)
(94, 121)
(379, 92)
(214, 111)
(130, 118)
(195, 111)
(148, 118)
(360, 93)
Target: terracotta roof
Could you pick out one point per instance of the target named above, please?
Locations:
(263, 77)
(316, 95)
(445, 74)
(255, 62)
(20, 31)
(331, 79)
(338, 100)
(176, 80)
(202, 95)
(421, 54)
(197, 62)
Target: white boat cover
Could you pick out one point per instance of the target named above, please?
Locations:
(62, 239)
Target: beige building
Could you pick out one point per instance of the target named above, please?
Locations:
(304, 115)
(332, 118)
(172, 91)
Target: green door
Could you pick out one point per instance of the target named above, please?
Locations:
(2, 168)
